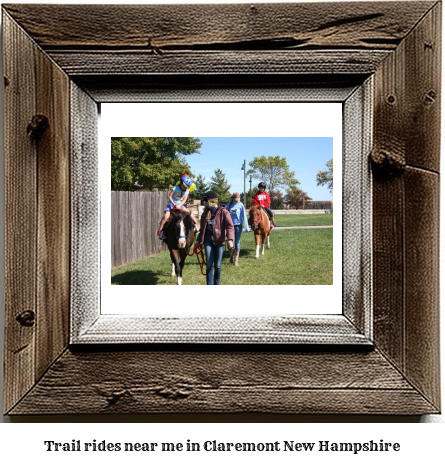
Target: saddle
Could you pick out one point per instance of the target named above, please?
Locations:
(173, 214)
(263, 210)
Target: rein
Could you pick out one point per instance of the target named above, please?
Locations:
(198, 249)
(256, 223)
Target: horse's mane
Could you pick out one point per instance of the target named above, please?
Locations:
(180, 214)
(254, 207)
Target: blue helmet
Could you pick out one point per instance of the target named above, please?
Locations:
(186, 180)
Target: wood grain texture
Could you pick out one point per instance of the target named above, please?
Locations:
(53, 226)
(85, 208)
(20, 212)
(422, 281)
(222, 382)
(133, 236)
(423, 92)
(158, 27)
(130, 63)
(398, 42)
(406, 221)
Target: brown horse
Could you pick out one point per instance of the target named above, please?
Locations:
(260, 224)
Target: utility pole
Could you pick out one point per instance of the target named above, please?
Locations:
(244, 169)
(250, 191)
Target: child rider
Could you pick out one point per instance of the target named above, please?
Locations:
(177, 199)
(263, 198)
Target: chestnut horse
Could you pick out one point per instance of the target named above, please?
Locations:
(260, 224)
(180, 237)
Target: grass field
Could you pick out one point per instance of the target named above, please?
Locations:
(296, 219)
(296, 256)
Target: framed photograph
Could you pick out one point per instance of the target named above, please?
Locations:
(367, 343)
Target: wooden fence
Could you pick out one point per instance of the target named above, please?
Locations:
(135, 218)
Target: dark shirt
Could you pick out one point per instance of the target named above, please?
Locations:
(209, 228)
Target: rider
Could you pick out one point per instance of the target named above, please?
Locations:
(176, 199)
(239, 218)
(262, 198)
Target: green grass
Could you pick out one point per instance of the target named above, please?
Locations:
(296, 256)
(296, 219)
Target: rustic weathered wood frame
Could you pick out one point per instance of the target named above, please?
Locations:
(76, 56)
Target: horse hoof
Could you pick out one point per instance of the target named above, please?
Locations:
(256, 258)
(172, 275)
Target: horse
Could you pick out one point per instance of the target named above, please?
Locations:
(260, 224)
(180, 237)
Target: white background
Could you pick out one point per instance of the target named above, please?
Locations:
(23, 443)
(220, 120)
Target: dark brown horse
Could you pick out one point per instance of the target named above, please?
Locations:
(260, 224)
(180, 237)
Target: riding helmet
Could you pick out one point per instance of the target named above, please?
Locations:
(262, 184)
(210, 195)
(186, 180)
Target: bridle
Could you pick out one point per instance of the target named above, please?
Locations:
(257, 222)
(186, 231)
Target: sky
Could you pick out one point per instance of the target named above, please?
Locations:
(305, 156)
(307, 134)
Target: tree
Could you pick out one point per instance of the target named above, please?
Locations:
(274, 171)
(150, 161)
(276, 198)
(326, 177)
(201, 187)
(296, 197)
(220, 186)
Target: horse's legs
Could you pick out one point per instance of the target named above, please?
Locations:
(175, 264)
(263, 240)
(183, 255)
(257, 246)
(268, 242)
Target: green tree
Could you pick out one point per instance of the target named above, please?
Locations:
(150, 161)
(201, 187)
(296, 197)
(274, 171)
(327, 176)
(276, 199)
(219, 184)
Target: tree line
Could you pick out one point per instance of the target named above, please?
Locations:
(155, 163)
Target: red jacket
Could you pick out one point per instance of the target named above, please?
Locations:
(262, 198)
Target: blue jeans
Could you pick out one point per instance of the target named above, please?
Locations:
(214, 254)
(238, 232)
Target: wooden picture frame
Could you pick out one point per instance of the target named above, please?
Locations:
(56, 72)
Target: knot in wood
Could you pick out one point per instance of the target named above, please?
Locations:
(26, 318)
(173, 393)
(37, 126)
(387, 162)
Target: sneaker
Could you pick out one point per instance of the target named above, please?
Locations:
(272, 226)
(159, 232)
(197, 228)
(163, 236)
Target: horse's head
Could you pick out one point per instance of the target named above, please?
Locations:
(182, 226)
(254, 216)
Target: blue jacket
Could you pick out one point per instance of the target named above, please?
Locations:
(238, 214)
